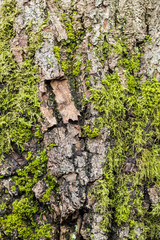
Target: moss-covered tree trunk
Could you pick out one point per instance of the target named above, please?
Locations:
(79, 119)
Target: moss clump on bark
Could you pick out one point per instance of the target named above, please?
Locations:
(130, 112)
(19, 103)
(66, 53)
(20, 111)
(22, 220)
(26, 209)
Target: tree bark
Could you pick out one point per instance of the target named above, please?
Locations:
(73, 60)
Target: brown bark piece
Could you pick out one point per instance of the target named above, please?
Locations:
(17, 45)
(63, 98)
(48, 115)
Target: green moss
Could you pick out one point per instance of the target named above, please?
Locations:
(56, 50)
(52, 185)
(103, 49)
(38, 134)
(24, 210)
(88, 76)
(148, 39)
(131, 115)
(28, 176)
(20, 112)
(3, 206)
(22, 219)
(66, 53)
(19, 101)
(91, 133)
(13, 188)
(64, 66)
(77, 68)
(88, 67)
(46, 196)
(90, 29)
(72, 65)
(52, 145)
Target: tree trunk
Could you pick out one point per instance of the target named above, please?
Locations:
(79, 105)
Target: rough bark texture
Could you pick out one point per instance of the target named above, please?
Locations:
(74, 159)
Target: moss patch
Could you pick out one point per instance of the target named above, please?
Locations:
(26, 209)
(19, 103)
(22, 220)
(20, 111)
(131, 114)
(66, 53)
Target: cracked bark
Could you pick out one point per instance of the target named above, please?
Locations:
(77, 161)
